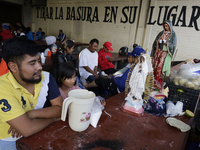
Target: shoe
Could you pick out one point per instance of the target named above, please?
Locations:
(103, 73)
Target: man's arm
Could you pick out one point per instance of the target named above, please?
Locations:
(95, 69)
(91, 71)
(26, 126)
(110, 59)
(63, 37)
(48, 112)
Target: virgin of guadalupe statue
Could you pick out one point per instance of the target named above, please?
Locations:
(139, 85)
(140, 79)
(162, 53)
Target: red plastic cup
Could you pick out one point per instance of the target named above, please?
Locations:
(49, 53)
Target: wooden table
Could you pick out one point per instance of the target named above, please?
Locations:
(48, 65)
(118, 58)
(115, 131)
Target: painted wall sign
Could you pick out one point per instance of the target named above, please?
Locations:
(88, 14)
(178, 19)
(177, 14)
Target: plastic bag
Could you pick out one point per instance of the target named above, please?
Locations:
(96, 112)
(134, 109)
(188, 76)
(174, 110)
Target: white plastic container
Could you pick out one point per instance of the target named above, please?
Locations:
(80, 104)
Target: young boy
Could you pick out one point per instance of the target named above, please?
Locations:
(105, 59)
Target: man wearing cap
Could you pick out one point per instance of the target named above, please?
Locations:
(117, 84)
(105, 59)
(6, 34)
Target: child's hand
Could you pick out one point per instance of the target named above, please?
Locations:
(103, 103)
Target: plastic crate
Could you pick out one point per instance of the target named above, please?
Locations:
(188, 96)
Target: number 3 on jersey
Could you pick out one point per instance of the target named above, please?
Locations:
(4, 105)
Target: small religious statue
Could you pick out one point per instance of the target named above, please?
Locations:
(137, 87)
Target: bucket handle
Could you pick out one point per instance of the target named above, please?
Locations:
(66, 103)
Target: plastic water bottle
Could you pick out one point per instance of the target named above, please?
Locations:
(54, 48)
(131, 48)
(53, 51)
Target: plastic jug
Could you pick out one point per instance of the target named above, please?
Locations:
(80, 104)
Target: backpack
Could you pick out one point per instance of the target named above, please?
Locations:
(123, 51)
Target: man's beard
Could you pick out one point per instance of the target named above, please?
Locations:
(32, 80)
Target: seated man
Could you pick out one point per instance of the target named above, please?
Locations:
(38, 33)
(42, 37)
(117, 84)
(29, 33)
(121, 71)
(5, 33)
(61, 36)
(105, 59)
(35, 38)
(88, 61)
(29, 98)
(20, 32)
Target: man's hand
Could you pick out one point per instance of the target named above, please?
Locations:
(13, 132)
(96, 75)
(116, 77)
(110, 59)
(30, 114)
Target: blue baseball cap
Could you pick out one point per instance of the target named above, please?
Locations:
(137, 51)
(6, 27)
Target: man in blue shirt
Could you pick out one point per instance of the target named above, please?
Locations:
(61, 36)
(29, 33)
(38, 33)
(116, 84)
(42, 37)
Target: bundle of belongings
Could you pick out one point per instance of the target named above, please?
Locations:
(156, 105)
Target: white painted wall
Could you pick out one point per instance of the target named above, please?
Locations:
(27, 15)
(124, 34)
(120, 34)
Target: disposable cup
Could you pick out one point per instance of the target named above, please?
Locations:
(49, 53)
(43, 60)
